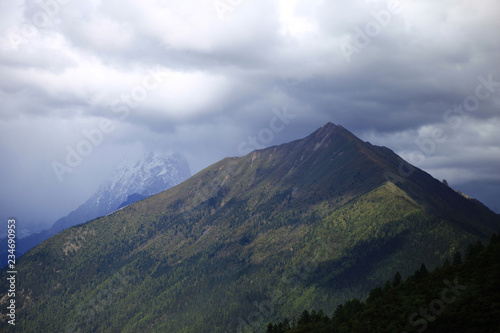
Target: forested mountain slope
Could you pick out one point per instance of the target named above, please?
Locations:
(249, 240)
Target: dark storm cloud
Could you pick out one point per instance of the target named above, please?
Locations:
(176, 75)
(488, 191)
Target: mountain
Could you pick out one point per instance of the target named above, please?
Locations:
(134, 178)
(249, 240)
(149, 174)
(131, 199)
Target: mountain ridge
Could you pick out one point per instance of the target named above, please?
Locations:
(287, 226)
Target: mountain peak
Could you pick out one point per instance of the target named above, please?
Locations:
(331, 135)
(331, 128)
(146, 174)
(330, 125)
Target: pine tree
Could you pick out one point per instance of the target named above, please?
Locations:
(421, 272)
(322, 316)
(314, 316)
(397, 279)
(305, 318)
(387, 286)
(374, 294)
(339, 313)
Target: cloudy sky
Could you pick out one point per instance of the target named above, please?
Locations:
(217, 78)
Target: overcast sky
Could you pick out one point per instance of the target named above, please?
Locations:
(211, 79)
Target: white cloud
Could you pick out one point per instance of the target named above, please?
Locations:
(184, 95)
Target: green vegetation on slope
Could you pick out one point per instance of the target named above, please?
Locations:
(247, 240)
(213, 274)
(463, 297)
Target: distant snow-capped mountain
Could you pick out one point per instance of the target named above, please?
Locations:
(134, 178)
(146, 175)
(150, 174)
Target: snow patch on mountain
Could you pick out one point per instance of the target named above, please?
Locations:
(143, 174)
(147, 175)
